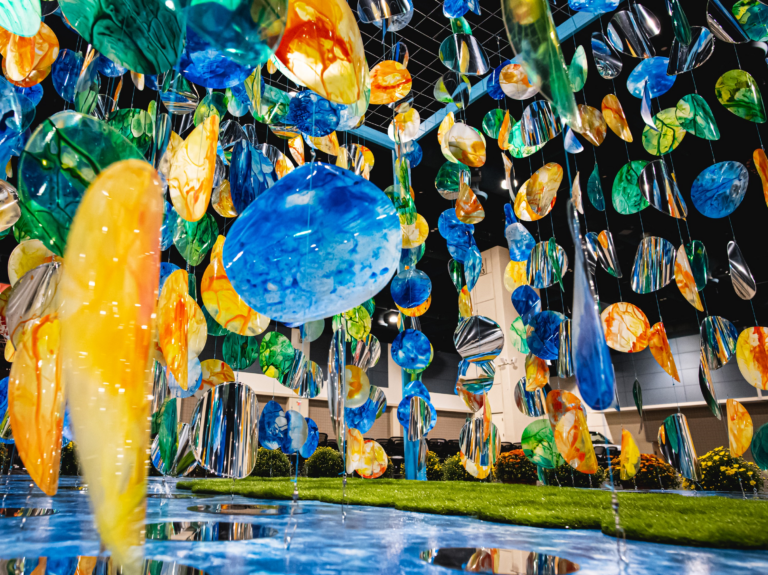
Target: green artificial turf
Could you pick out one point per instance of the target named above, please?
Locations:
(661, 518)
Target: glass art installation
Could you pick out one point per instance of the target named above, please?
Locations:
(752, 356)
(739, 428)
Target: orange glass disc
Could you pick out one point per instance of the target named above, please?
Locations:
(28, 61)
(626, 327)
(390, 82)
(660, 350)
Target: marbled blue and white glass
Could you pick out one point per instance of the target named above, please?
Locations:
(457, 8)
(412, 151)
(526, 302)
(250, 174)
(312, 114)
(571, 143)
(473, 266)
(239, 105)
(519, 239)
(494, 85)
(719, 189)
(410, 288)
(361, 418)
(168, 229)
(65, 73)
(319, 242)
(204, 65)
(412, 350)
(194, 379)
(457, 234)
(108, 68)
(313, 438)
(34, 93)
(654, 72)
(273, 425)
(543, 334)
(594, 6)
(591, 357)
(296, 433)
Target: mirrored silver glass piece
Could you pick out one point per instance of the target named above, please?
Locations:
(684, 58)
(25, 512)
(101, 565)
(33, 296)
(654, 265)
(660, 190)
(472, 441)
(452, 88)
(606, 253)
(645, 107)
(399, 53)
(366, 352)
(590, 251)
(225, 430)
(478, 338)
(10, 212)
(230, 133)
(337, 358)
(676, 445)
(370, 11)
(379, 399)
(207, 531)
(718, 338)
(394, 23)
(629, 31)
(160, 391)
(504, 561)
(743, 283)
(248, 509)
(419, 419)
(565, 351)
(464, 54)
(297, 372)
(607, 60)
(312, 383)
(219, 172)
(181, 460)
(104, 106)
(480, 380)
(723, 25)
(531, 403)
(539, 124)
(708, 389)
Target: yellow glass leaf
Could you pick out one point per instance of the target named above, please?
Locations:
(36, 401)
(221, 200)
(468, 208)
(536, 373)
(515, 275)
(107, 318)
(573, 442)
(442, 131)
(739, 428)
(467, 145)
(215, 372)
(27, 256)
(223, 302)
(506, 126)
(328, 144)
(521, 207)
(323, 50)
(684, 279)
(390, 82)
(414, 234)
(614, 116)
(191, 170)
(296, 147)
(465, 302)
(629, 459)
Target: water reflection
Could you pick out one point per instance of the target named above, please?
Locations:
(25, 512)
(84, 565)
(501, 561)
(239, 509)
(207, 531)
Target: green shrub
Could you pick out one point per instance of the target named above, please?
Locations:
(324, 462)
(453, 470)
(566, 476)
(434, 467)
(652, 474)
(721, 472)
(70, 464)
(271, 463)
(514, 467)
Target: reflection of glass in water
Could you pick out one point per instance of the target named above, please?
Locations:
(240, 509)
(84, 565)
(207, 531)
(499, 561)
(25, 512)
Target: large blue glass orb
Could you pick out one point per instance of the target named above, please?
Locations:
(411, 288)
(412, 351)
(320, 241)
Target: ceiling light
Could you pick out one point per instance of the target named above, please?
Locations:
(504, 185)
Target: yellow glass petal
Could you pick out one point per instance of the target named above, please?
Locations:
(221, 200)
(541, 191)
(296, 147)
(28, 61)
(375, 461)
(414, 234)
(614, 116)
(506, 126)
(215, 372)
(27, 256)
(573, 442)
(9, 352)
(515, 275)
(342, 159)
(659, 346)
(465, 303)
(629, 459)
(467, 145)
(761, 163)
(685, 280)
(109, 293)
(468, 208)
(223, 302)
(322, 48)
(752, 356)
(390, 82)
(190, 175)
(354, 449)
(739, 428)
(442, 133)
(536, 373)
(328, 144)
(522, 209)
(174, 143)
(36, 401)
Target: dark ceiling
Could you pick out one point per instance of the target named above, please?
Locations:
(428, 28)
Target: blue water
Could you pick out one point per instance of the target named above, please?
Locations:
(372, 540)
